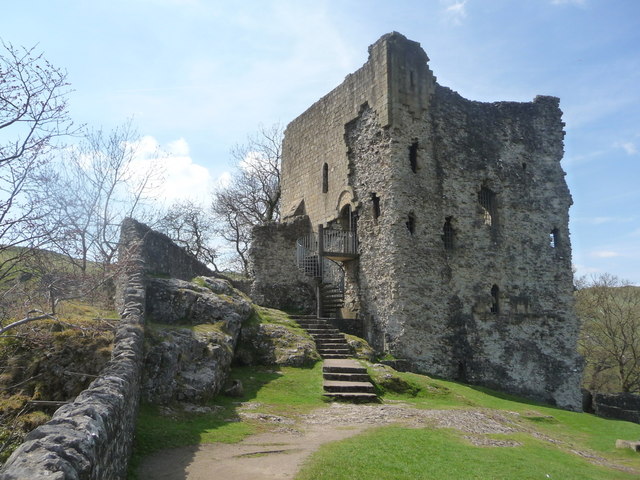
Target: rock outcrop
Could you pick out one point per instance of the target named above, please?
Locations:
(194, 327)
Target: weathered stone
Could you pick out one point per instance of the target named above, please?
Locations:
(623, 406)
(186, 365)
(461, 207)
(635, 446)
(177, 302)
(271, 344)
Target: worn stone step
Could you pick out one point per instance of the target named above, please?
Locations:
(327, 356)
(353, 397)
(343, 366)
(347, 377)
(333, 386)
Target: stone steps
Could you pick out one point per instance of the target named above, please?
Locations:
(343, 377)
(346, 379)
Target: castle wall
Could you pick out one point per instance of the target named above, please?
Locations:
(316, 137)
(465, 256)
(277, 281)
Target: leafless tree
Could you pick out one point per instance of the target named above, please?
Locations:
(253, 196)
(96, 185)
(610, 339)
(191, 227)
(33, 116)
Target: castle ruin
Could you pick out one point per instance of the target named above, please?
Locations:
(438, 224)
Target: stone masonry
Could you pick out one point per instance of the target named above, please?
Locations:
(461, 207)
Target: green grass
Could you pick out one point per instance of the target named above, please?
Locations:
(275, 390)
(394, 453)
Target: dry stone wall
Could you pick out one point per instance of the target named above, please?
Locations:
(92, 437)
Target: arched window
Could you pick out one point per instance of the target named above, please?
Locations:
(487, 200)
(448, 234)
(495, 299)
(325, 178)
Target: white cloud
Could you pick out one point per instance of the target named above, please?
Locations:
(456, 12)
(628, 147)
(604, 254)
(179, 177)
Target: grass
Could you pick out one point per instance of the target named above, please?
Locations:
(395, 453)
(273, 390)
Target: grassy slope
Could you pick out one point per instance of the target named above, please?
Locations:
(406, 453)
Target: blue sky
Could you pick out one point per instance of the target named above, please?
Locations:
(199, 75)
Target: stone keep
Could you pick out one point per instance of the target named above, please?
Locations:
(460, 209)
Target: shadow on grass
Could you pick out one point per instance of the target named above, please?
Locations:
(168, 437)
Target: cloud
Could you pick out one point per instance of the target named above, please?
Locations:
(604, 254)
(177, 176)
(628, 147)
(456, 12)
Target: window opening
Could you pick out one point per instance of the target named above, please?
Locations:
(495, 302)
(325, 178)
(411, 223)
(554, 238)
(487, 200)
(413, 157)
(375, 200)
(447, 234)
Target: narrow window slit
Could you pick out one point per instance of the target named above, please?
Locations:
(447, 234)
(495, 299)
(375, 200)
(325, 178)
(413, 157)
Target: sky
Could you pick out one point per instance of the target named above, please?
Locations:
(199, 76)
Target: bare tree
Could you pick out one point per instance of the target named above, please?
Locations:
(191, 227)
(97, 184)
(610, 339)
(253, 196)
(33, 115)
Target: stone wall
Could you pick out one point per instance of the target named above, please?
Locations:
(92, 437)
(621, 406)
(307, 148)
(277, 281)
(162, 257)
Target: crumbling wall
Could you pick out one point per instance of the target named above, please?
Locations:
(316, 137)
(277, 281)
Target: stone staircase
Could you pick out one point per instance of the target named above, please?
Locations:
(343, 377)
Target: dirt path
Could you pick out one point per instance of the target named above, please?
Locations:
(280, 453)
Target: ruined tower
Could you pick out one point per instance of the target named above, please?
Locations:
(454, 250)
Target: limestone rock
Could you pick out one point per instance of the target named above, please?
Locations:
(171, 301)
(271, 344)
(191, 363)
